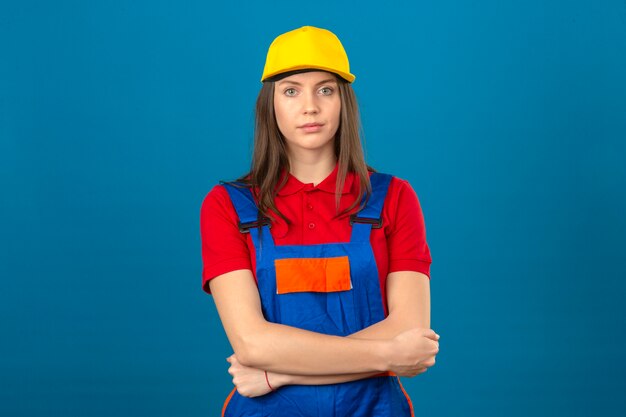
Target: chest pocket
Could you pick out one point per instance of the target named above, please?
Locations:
(312, 274)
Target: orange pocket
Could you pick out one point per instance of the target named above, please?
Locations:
(312, 274)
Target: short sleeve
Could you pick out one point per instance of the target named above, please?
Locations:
(406, 242)
(224, 247)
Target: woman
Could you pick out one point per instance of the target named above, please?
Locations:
(318, 265)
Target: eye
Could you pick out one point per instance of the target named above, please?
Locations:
(290, 92)
(328, 90)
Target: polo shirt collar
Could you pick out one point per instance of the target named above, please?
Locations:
(293, 185)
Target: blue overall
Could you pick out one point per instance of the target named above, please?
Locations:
(338, 313)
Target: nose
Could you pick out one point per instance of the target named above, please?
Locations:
(310, 104)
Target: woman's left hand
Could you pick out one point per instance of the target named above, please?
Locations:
(250, 382)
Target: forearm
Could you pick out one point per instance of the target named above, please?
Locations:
(415, 350)
(384, 329)
(279, 380)
(289, 350)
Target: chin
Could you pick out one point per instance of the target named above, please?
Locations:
(310, 145)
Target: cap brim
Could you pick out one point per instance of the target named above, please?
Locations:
(278, 76)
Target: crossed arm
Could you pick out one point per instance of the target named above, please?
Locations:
(297, 356)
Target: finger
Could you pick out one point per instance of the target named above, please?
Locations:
(415, 373)
(433, 345)
(430, 334)
(429, 362)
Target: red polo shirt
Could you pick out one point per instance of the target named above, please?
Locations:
(400, 245)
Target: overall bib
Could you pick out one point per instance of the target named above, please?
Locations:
(330, 288)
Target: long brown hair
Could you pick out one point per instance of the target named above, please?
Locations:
(270, 153)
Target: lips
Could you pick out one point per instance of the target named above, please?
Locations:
(311, 127)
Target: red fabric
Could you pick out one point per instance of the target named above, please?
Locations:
(400, 245)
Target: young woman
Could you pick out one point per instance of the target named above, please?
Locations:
(318, 264)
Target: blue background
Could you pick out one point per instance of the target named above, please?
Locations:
(116, 119)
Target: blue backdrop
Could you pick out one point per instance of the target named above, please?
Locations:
(116, 119)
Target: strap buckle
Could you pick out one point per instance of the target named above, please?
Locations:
(245, 227)
(376, 223)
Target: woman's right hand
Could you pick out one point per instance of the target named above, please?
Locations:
(412, 352)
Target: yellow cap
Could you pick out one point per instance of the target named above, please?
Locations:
(307, 48)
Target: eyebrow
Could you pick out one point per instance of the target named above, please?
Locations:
(297, 83)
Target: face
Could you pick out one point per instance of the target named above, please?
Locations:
(307, 108)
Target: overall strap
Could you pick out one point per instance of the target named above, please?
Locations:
(245, 206)
(249, 219)
(370, 216)
(242, 199)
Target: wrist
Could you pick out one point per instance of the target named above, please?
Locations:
(383, 351)
(277, 380)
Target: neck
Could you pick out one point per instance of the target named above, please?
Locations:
(312, 169)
